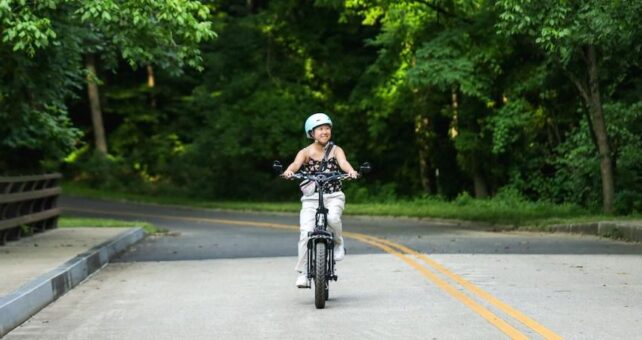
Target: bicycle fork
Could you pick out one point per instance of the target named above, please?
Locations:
(321, 237)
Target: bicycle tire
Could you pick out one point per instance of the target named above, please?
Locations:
(320, 283)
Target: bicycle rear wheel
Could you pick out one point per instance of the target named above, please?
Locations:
(320, 281)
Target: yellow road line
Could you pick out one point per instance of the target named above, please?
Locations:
(534, 325)
(388, 246)
(193, 219)
(476, 307)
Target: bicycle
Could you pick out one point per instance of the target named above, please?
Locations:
(321, 263)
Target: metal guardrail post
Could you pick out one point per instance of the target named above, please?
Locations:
(28, 205)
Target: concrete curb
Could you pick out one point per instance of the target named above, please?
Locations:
(628, 231)
(20, 305)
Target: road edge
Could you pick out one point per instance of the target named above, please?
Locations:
(630, 231)
(618, 230)
(18, 306)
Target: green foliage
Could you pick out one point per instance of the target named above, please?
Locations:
(399, 79)
(266, 73)
(84, 222)
(43, 43)
(560, 27)
(164, 33)
(575, 167)
(381, 193)
(24, 26)
(97, 170)
(507, 209)
(628, 201)
(626, 135)
(463, 199)
(442, 97)
(447, 61)
(510, 123)
(36, 124)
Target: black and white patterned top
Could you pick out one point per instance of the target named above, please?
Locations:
(332, 165)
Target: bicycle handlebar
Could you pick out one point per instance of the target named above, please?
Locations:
(321, 177)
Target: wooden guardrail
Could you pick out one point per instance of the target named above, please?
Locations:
(28, 205)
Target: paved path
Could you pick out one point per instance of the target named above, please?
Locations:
(30, 257)
(228, 275)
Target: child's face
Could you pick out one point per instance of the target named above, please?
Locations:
(322, 133)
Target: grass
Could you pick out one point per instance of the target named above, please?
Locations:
(75, 189)
(82, 222)
(506, 210)
(493, 211)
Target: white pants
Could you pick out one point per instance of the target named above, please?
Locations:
(335, 203)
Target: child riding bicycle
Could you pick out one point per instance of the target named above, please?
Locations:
(322, 155)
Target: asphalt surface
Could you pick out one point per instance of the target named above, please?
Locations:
(229, 275)
(198, 240)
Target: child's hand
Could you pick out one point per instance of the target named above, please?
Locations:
(353, 174)
(287, 174)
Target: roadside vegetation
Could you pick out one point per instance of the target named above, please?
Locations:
(505, 209)
(503, 111)
(67, 221)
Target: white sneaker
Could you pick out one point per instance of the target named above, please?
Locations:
(339, 252)
(302, 281)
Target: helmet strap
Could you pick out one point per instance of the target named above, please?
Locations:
(328, 148)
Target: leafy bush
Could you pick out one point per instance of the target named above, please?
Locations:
(104, 172)
(463, 199)
(360, 193)
(628, 201)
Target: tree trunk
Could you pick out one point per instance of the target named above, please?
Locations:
(454, 126)
(151, 83)
(591, 94)
(424, 169)
(599, 127)
(481, 189)
(421, 124)
(251, 5)
(94, 103)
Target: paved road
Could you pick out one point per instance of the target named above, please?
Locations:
(229, 275)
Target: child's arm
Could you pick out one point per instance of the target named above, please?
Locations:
(296, 165)
(344, 164)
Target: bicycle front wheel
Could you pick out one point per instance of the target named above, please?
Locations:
(320, 282)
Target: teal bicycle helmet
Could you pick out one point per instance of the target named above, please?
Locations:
(315, 120)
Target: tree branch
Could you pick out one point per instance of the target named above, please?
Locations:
(583, 88)
(443, 11)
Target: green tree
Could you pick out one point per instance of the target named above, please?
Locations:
(595, 42)
(273, 65)
(164, 33)
(47, 40)
(437, 61)
(392, 106)
(37, 79)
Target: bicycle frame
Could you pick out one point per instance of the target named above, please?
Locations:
(320, 233)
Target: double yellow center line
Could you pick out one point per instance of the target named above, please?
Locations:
(410, 257)
(404, 253)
